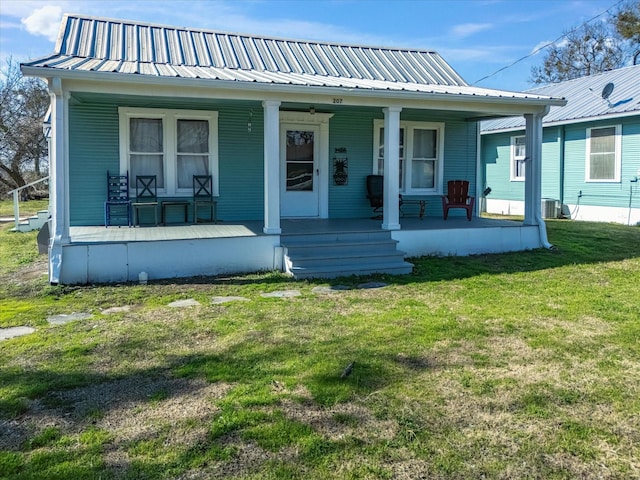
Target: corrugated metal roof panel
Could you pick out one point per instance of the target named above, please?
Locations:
(104, 45)
(584, 99)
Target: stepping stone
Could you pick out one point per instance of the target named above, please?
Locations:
(109, 311)
(324, 290)
(369, 285)
(64, 318)
(282, 294)
(13, 332)
(190, 302)
(221, 300)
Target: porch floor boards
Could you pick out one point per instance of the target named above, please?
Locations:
(230, 229)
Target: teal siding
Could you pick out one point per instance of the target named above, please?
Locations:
(607, 194)
(496, 158)
(574, 190)
(94, 149)
(551, 163)
(241, 164)
(352, 130)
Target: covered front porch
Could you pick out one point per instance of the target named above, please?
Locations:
(97, 254)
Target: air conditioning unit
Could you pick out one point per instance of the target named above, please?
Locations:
(550, 208)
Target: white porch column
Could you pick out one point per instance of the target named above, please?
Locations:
(391, 208)
(271, 167)
(533, 168)
(58, 182)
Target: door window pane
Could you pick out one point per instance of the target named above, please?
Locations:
(299, 160)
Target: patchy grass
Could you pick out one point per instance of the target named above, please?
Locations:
(523, 365)
(30, 207)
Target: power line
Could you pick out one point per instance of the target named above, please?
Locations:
(548, 44)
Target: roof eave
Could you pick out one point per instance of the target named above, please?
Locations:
(400, 95)
(570, 121)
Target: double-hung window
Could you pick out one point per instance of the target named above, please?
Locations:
(173, 145)
(421, 156)
(603, 154)
(518, 158)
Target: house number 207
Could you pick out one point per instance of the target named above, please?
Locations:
(337, 100)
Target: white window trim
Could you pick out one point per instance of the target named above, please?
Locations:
(169, 132)
(513, 159)
(409, 127)
(618, 155)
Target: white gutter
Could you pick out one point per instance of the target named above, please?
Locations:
(569, 121)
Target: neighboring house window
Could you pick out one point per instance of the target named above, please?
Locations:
(421, 156)
(518, 158)
(174, 145)
(603, 154)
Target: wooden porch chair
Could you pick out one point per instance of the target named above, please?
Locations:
(457, 197)
(203, 197)
(118, 204)
(375, 194)
(146, 197)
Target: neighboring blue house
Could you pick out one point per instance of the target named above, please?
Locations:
(289, 131)
(590, 152)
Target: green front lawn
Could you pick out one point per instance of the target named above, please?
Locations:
(521, 365)
(30, 207)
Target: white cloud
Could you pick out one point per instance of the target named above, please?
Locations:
(44, 21)
(464, 30)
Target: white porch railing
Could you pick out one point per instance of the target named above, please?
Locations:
(16, 199)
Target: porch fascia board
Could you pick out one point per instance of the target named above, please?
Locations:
(126, 84)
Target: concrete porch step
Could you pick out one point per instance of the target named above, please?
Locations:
(335, 254)
(34, 222)
(329, 257)
(340, 247)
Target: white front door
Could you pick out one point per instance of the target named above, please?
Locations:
(300, 169)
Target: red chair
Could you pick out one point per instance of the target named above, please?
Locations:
(458, 197)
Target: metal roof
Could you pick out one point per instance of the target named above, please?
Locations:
(92, 44)
(584, 100)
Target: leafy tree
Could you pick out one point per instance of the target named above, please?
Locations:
(23, 145)
(594, 47)
(586, 51)
(627, 24)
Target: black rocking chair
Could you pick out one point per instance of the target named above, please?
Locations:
(375, 194)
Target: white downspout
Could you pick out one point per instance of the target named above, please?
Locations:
(533, 175)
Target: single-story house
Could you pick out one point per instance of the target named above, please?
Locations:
(288, 130)
(590, 152)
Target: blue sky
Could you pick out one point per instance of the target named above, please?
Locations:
(477, 37)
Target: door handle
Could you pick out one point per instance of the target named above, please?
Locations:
(317, 171)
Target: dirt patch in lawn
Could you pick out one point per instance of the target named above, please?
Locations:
(130, 409)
